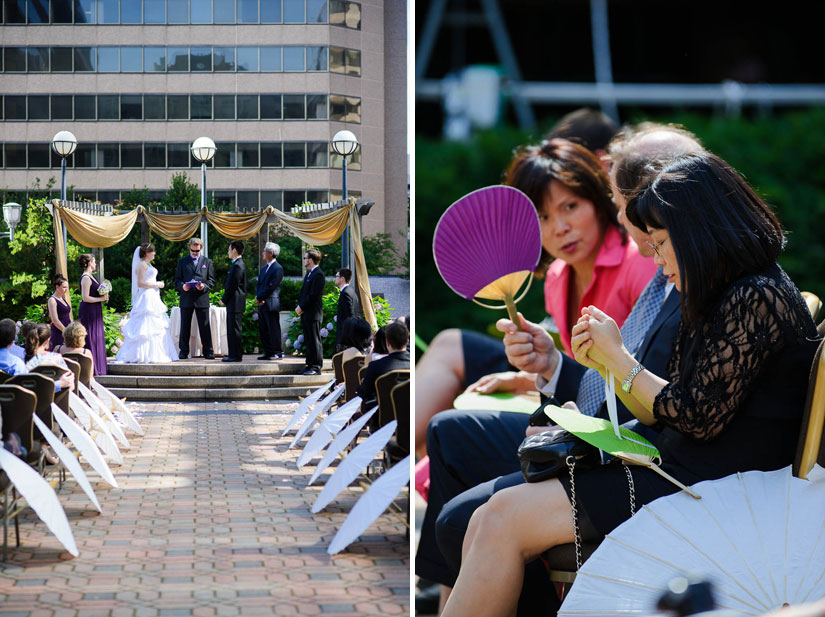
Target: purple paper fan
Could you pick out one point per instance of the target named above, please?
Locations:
(485, 235)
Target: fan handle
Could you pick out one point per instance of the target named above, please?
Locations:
(509, 303)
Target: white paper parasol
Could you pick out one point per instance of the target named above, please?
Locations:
(84, 444)
(341, 441)
(304, 406)
(759, 537)
(105, 414)
(118, 407)
(97, 428)
(354, 463)
(320, 408)
(39, 494)
(328, 429)
(371, 504)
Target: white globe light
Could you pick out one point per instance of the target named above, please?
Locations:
(203, 149)
(64, 143)
(344, 143)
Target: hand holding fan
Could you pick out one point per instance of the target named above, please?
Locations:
(487, 244)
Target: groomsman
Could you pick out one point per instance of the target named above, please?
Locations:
(348, 305)
(267, 295)
(234, 298)
(311, 310)
(194, 279)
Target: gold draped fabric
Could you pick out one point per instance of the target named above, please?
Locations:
(104, 231)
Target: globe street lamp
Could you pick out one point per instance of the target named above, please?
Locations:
(11, 214)
(345, 144)
(203, 149)
(64, 144)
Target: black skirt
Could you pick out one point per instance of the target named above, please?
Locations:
(483, 355)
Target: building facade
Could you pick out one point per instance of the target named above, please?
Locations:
(270, 81)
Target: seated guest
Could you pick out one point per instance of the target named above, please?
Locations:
(9, 362)
(356, 338)
(398, 358)
(379, 346)
(36, 343)
(74, 336)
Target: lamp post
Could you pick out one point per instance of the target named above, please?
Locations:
(345, 144)
(203, 149)
(11, 214)
(64, 144)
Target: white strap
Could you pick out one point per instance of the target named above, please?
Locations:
(610, 399)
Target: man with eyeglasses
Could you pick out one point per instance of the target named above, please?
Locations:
(194, 279)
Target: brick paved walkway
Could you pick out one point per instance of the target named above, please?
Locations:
(211, 518)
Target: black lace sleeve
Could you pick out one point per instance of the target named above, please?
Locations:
(753, 322)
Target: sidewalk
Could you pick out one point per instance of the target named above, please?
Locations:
(211, 518)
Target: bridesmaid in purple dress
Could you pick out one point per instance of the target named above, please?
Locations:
(90, 313)
(60, 310)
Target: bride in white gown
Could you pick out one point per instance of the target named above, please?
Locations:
(146, 336)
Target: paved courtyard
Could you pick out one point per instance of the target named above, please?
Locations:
(211, 518)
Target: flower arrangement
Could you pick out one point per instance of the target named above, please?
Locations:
(105, 287)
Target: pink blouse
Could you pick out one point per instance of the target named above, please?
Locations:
(619, 276)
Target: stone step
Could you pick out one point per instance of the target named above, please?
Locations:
(213, 381)
(249, 366)
(211, 394)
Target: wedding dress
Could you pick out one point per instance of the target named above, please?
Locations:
(146, 335)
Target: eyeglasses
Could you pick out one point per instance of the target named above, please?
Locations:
(656, 246)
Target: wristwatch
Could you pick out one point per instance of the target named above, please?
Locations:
(628, 381)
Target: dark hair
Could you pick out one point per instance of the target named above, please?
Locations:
(534, 167)
(345, 273)
(397, 335)
(84, 260)
(720, 228)
(379, 341)
(34, 337)
(588, 127)
(8, 332)
(356, 333)
(238, 246)
(59, 280)
(314, 255)
(145, 249)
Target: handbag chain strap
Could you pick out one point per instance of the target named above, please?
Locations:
(631, 487)
(571, 465)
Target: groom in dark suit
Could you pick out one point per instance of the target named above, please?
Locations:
(234, 299)
(268, 297)
(311, 310)
(194, 279)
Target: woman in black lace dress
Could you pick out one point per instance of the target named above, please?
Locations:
(738, 378)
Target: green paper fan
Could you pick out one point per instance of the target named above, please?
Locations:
(498, 401)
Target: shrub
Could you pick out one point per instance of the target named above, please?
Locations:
(120, 298)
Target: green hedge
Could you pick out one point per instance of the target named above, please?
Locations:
(781, 155)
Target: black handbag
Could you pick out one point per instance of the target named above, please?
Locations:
(544, 455)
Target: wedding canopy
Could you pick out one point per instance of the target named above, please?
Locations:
(97, 231)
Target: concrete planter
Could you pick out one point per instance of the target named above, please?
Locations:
(284, 320)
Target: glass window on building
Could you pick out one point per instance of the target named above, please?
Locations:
(337, 12)
(154, 155)
(131, 155)
(271, 12)
(224, 11)
(131, 59)
(353, 162)
(223, 58)
(15, 11)
(247, 107)
(14, 59)
(294, 11)
(353, 109)
(200, 107)
(108, 155)
(15, 155)
(200, 11)
(336, 60)
(177, 58)
(108, 59)
(177, 11)
(316, 106)
(85, 155)
(272, 198)
(353, 62)
(271, 58)
(248, 59)
(248, 154)
(108, 107)
(270, 107)
(248, 200)
(130, 12)
(317, 11)
(177, 107)
(224, 106)
(317, 154)
(61, 59)
(225, 154)
(39, 107)
(154, 11)
(38, 59)
(61, 11)
(248, 11)
(84, 11)
(14, 107)
(317, 59)
(39, 155)
(294, 59)
(85, 107)
(107, 11)
(154, 107)
(294, 107)
(293, 198)
(62, 107)
(295, 154)
(271, 154)
(318, 197)
(108, 197)
(38, 11)
(224, 198)
(154, 59)
(84, 59)
(131, 107)
(337, 107)
(201, 58)
(177, 155)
